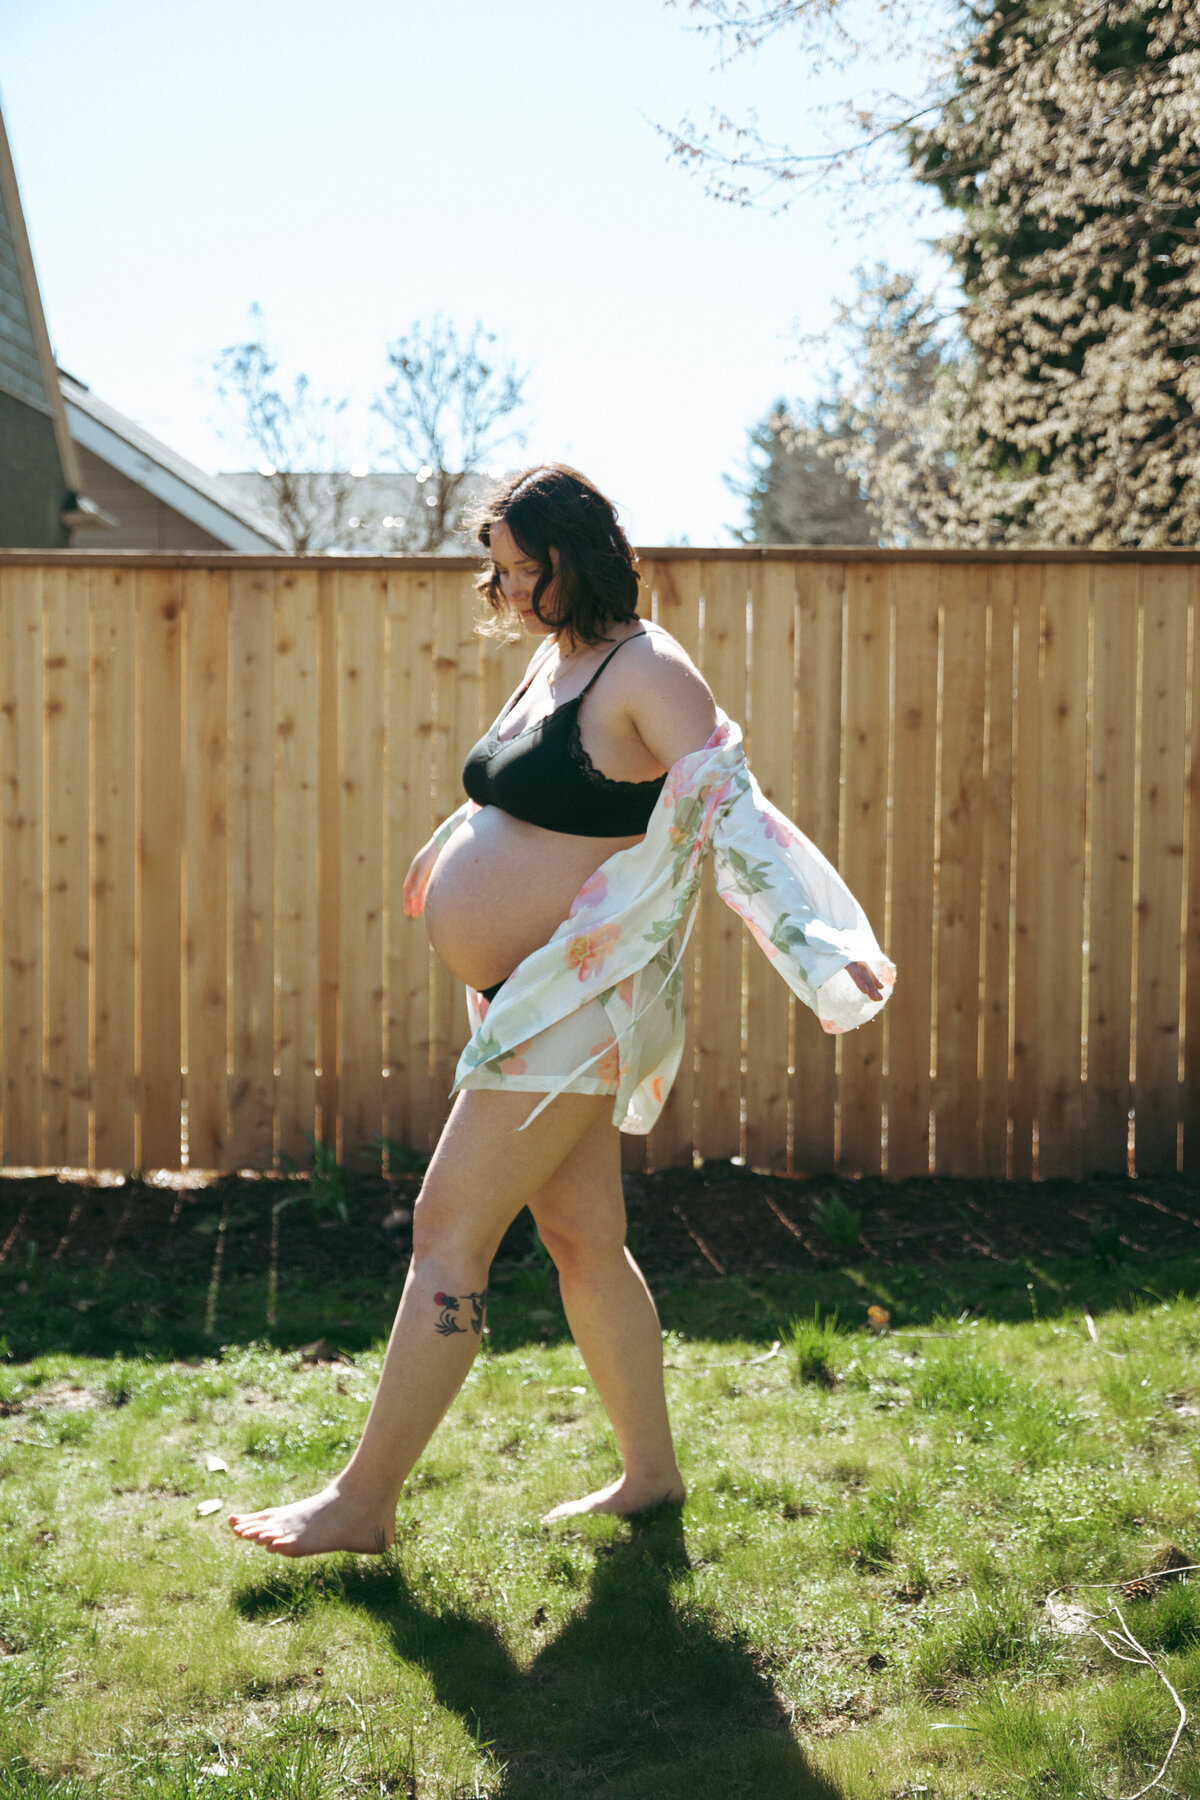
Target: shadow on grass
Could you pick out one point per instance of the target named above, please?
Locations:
(643, 1692)
(166, 1314)
(132, 1271)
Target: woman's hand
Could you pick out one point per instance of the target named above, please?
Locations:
(417, 879)
(864, 981)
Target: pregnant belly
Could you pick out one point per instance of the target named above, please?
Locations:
(499, 889)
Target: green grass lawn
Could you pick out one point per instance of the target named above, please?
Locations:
(852, 1603)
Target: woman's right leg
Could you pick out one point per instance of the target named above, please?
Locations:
(483, 1171)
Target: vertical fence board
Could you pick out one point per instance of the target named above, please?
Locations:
(114, 848)
(1025, 800)
(206, 835)
(819, 589)
(21, 673)
(1190, 1099)
(1110, 925)
(160, 866)
(673, 1140)
(456, 714)
(960, 869)
(68, 951)
(997, 874)
(409, 810)
(252, 858)
(296, 905)
(1062, 803)
(328, 861)
(1160, 885)
(361, 681)
(864, 854)
(771, 752)
(909, 1013)
(720, 932)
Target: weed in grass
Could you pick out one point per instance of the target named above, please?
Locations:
(814, 1347)
(966, 1386)
(396, 1158)
(863, 1534)
(1104, 1242)
(69, 1429)
(1134, 1720)
(19, 1780)
(993, 1634)
(118, 1384)
(916, 1580)
(1044, 1754)
(841, 1224)
(1169, 1623)
(327, 1190)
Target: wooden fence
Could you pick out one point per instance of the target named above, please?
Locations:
(216, 769)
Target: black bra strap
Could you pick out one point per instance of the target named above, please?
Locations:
(609, 657)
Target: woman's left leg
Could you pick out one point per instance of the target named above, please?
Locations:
(580, 1216)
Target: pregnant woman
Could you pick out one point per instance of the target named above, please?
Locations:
(562, 894)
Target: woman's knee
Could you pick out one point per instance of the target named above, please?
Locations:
(576, 1246)
(447, 1229)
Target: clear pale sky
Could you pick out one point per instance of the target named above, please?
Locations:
(353, 166)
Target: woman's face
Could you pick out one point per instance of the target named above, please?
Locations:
(518, 575)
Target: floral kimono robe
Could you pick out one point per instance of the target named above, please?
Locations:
(622, 944)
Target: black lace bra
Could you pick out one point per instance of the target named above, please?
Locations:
(545, 776)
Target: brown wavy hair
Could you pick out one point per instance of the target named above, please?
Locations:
(597, 582)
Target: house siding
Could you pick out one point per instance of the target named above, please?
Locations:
(32, 489)
(143, 521)
(20, 367)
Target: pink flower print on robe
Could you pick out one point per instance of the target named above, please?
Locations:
(608, 1063)
(515, 1064)
(712, 801)
(593, 893)
(589, 951)
(735, 904)
(778, 828)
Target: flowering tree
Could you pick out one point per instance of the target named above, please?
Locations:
(1059, 402)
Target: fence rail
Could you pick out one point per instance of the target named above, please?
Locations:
(215, 771)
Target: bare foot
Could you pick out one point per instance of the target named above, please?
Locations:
(621, 1496)
(327, 1521)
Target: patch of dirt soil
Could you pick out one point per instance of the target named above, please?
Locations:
(719, 1219)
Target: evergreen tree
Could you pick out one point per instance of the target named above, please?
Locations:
(793, 488)
(1071, 147)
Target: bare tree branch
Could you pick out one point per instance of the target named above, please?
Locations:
(296, 436)
(450, 406)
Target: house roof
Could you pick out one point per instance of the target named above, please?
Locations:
(229, 516)
(27, 369)
(378, 512)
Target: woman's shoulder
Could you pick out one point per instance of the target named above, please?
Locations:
(652, 648)
(667, 698)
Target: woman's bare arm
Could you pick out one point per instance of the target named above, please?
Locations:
(673, 712)
(668, 702)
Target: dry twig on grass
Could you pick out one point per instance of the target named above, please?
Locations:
(1120, 1642)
